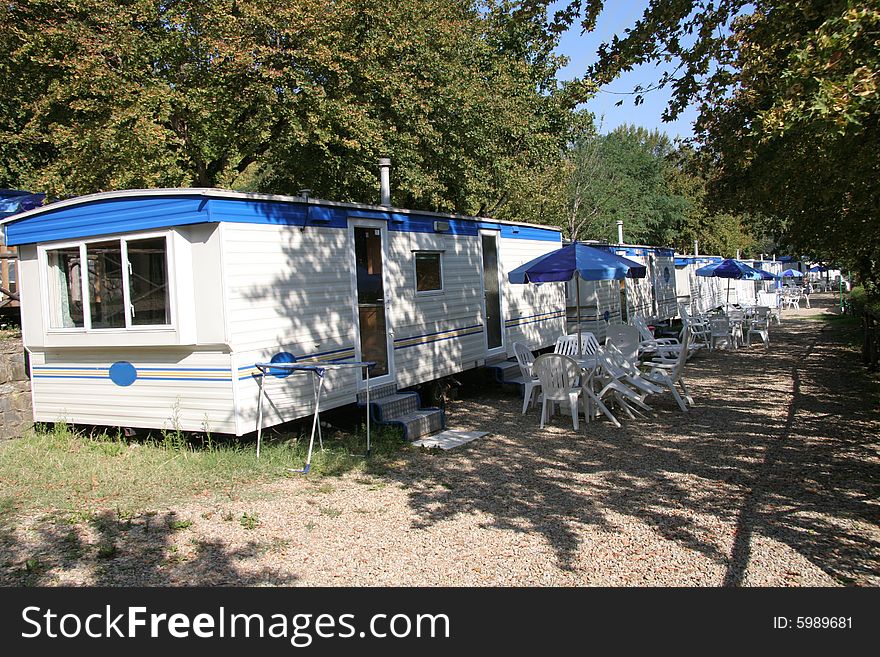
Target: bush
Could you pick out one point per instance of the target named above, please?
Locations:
(860, 301)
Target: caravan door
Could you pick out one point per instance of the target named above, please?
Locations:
(493, 302)
(374, 339)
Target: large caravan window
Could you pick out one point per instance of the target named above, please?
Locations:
(65, 288)
(429, 276)
(148, 278)
(124, 284)
(106, 299)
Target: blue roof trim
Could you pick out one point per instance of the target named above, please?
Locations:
(137, 213)
(635, 250)
(107, 217)
(682, 261)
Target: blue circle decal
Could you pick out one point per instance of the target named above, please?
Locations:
(281, 357)
(606, 315)
(123, 373)
(666, 274)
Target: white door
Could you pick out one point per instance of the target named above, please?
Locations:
(375, 338)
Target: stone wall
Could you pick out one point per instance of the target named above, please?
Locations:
(15, 390)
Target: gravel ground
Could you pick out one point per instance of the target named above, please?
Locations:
(771, 480)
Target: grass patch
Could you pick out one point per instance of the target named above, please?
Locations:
(250, 520)
(74, 471)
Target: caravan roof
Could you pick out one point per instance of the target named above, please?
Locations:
(142, 209)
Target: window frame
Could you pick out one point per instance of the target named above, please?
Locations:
(82, 244)
(436, 291)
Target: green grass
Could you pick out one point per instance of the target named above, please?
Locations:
(65, 469)
(250, 520)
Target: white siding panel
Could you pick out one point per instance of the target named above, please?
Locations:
(174, 389)
(288, 290)
(286, 398)
(436, 334)
(534, 314)
(594, 318)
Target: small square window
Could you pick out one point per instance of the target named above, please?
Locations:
(429, 276)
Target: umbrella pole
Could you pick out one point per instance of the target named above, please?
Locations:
(728, 293)
(577, 291)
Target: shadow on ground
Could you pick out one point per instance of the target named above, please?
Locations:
(782, 445)
(146, 550)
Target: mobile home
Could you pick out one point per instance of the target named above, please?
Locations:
(614, 302)
(150, 308)
(699, 293)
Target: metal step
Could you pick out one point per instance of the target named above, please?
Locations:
(419, 423)
(392, 406)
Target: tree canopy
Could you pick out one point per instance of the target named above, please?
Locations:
(788, 93)
(260, 95)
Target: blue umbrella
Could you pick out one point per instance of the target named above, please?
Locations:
(818, 268)
(589, 263)
(577, 261)
(794, 273)
(735, 269)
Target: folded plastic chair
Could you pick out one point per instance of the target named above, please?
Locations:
(531, 383)
(668, 375)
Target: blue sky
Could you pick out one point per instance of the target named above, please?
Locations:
(581, 49)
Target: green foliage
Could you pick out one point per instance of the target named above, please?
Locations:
(64, 468)
(658, 189)
(250, 520)
(789, 99)
(268, 96)
(861, 300)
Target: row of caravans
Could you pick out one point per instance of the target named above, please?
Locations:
(700, 293)
(150, 308)
(613, 302)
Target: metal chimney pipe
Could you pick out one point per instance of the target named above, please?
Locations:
(737, 254)
(385, 181)
(620, 231)
(696, 247)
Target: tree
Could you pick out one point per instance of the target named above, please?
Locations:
(789, 93)
(267, 96)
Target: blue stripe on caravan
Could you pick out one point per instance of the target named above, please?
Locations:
(452, 337)
(425, 335)
(311, 356)
(106, 217)
(69, 367)
(534, 321)
(545, 315)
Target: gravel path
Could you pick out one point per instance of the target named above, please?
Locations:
(771, 480)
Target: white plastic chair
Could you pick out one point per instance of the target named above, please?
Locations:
(668, 375)
(560, 382)
(625, 338)
(720, 332)
(648, 344)
(737, 318)
(531, 383)
(567, 345)
(759, 325)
